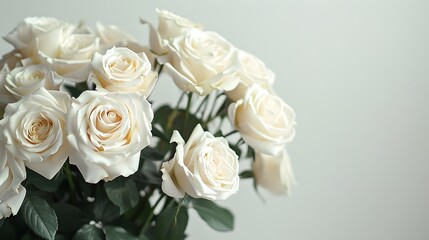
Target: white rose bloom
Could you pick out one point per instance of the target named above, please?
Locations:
(264, 121)
(68, 54)
(24, 35)
(5, 96)
(12, 59)
(33, 130)
(170, 26)
(273, 172)
(111, 35)
(107, 131)
(23, 81)
(122, 70)
(202, 62)
(204, 167)
(12, 173)
(252, 70)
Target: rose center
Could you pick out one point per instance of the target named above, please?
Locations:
(39, 130)
(122, 64)
(215, 157)
(29, 77)
(108, 121)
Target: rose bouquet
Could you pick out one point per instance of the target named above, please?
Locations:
(85, 156)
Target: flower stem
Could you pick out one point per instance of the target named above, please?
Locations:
(149, 218)
(70, 178)
(230, 133)
(188, 107)
(212, 114)
(174, 113)
(179, 205)
(160, 69)
(179, 101)
(203, 102)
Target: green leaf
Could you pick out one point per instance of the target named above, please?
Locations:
(143, 237)
(28, 236)
(250, 152)
(171, 119)
(223, 109)
(152, 154)
(117, 233)
(149, 174)
(60, 237)
(89, 232)
(171, 224)
(218, 218)
(40, 217)
(246, 174)
(255, 187)
(123, 193)
(70, 218)
(42, 183)
(218, 134)
(160, 115)
(236, 149)
(104, 210)
(158, 133)
(1, 222)
(7, 230)
(77, 90)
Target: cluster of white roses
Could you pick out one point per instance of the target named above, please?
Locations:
(103, 131)
(202, 61)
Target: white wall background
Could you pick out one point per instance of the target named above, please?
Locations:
(357, 74)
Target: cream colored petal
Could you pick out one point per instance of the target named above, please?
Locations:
(169, 181)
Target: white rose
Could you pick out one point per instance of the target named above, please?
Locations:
(264, 121)
(107, 131)
(24, 35)
(33, 130)
(204, 167)
(252, 70)
(23, 81)
(68, 54)
(273, 172)
(170, 26)
(12, 59)
(202, 62)
(12, 173)
(5, 96)
(111, 35)
(122, 70)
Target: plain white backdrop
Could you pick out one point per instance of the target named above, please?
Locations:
(357, 75)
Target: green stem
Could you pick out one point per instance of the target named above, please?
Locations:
(70, 179)
(205, 108)
(175, 111)
(160, 69)
(149, 218)
(188, 107)
(180, 100)
(240, 141)
(230, 133)
(212, 114)
(179, 205)
(203, 102)
(140, 207)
